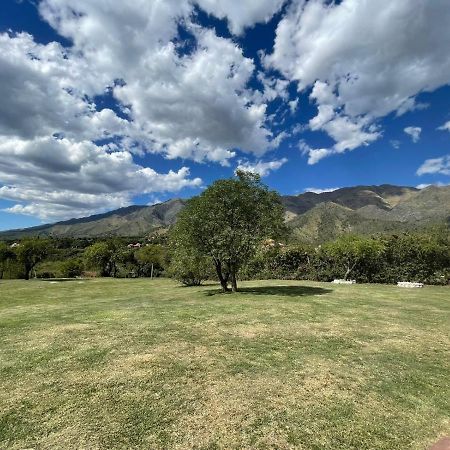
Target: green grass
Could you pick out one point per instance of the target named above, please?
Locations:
(148, 364)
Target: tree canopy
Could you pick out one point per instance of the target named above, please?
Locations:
(30, 252)
(228, 222)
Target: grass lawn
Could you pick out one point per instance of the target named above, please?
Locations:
(149, 364)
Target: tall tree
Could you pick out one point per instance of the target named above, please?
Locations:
(30, 252)
(228, 221)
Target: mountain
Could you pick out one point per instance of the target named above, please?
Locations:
(313, 217)
(135, 220)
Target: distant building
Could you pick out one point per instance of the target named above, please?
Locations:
(137, 245)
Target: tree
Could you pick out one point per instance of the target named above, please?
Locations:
(6, 255)
(228, 221)
(102, 256)
(353, 251)
(151, 255)
(188, 266)
(30, 252)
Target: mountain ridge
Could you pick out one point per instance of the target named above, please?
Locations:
(317, 216)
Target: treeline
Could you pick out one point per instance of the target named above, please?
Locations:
(70, 258)
(420, 256)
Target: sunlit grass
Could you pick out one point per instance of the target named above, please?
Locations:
(148, 364)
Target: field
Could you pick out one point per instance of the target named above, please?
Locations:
(149, 364)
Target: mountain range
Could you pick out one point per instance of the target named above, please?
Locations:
(314, 217)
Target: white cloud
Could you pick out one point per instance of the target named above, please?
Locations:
(61, 178)
(363, 59)
(263, 168)
(316, 154)
(293, 105)
(320, 190)
(414, 132)
(242, 14)
(435, 165)
(188, 101)
(445, 127)
(425, 185)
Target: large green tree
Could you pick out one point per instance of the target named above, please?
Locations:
(30, 252)
(228, 221)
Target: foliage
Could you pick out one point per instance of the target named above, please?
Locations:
(103, 256)
(421, 257)
(150, 259)
(189, 266)
(350, 252)
(30, 252)
(6, 255)
(228, 221)
(72, 268)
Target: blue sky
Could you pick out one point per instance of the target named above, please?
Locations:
(106, 105)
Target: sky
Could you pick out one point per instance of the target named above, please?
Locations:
(105, 104)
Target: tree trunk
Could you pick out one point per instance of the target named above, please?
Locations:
(347, 273)
(234, 287)
(223, 281)
(349, 269)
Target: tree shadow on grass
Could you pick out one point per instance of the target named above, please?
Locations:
(288, 291)
(61, 280)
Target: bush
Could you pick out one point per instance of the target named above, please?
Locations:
(71, 268)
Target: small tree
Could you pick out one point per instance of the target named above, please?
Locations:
(102, 256)
(228, 221)
(30, 252)
(351, 252)
(151, 255)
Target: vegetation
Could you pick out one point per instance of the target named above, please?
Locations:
(107, 363)
(29, 253)
(228, 221)
(104, 257)
(353, 251)
(419, 256)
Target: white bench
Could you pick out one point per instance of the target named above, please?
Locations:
(344, 281)
(409, 284)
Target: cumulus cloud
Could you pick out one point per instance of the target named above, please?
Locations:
(61, 178)
(242, 14)
(184, 101)
(320, 190)
(435, 165)
(414, 133)
(363, 60)
(263, 168)
(314, 154)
